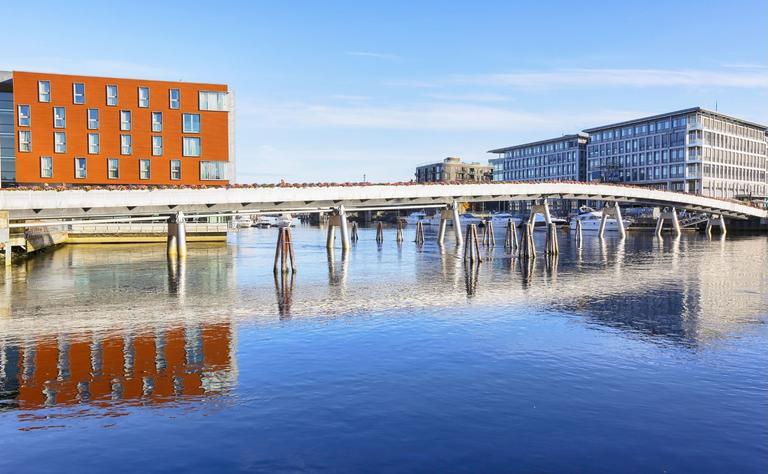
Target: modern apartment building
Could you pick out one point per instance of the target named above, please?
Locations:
(556, 159)
(692, 150)
(77, 130)
(452, 169)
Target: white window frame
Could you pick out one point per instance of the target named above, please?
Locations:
(25, 146)
(97, 120)
(218, 166)
(126, 149)
(85, 168)
(184, 128)
(112, 103)
(94, 147)
(110, 161)
(44, 96)
(157, 150)
(49, 168)
(63, 117)
(123, 127)
(204, 101)
(144, 101)
(184, 146)
(59, 142)
(24, 117)
(75, 94)
(148, 164)
(174, 103)
(176, 162)
(157, 126)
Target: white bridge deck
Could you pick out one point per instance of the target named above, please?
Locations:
(35, 205)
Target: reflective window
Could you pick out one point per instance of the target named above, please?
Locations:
(125, 145)
(213, 170)
(93, 119)
(59, 117)
(46, 167)
(80, 168)
(59, 142)
(174, 98)
(125, 120)
(143, 97)
(175, 169)
(93, 143)
(78, 93)
(43, 91)
(191, 123)
(113, 168)
(212, 100)
(157, 121)
(157, 146)
(191, 146)
(111, 95)
(25, 140)
(144, 166)
(24, 117)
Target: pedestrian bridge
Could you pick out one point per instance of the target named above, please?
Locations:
(23, 205)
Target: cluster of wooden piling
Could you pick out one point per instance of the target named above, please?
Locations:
(353, 237)
(510, 238)
(552, 247)
(419, 233)
(284, 251)
(400, 228)
(527, 246)
(379, 232)
(472, 245)
(489, 239)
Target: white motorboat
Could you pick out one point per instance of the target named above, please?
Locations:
(416, 217)
(466, 218)
(242, 222)
(590, 221)
(540, 223)
(500, 220)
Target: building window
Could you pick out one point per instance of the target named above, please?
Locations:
(46, 167)
(93, 143)
(59, 142)
(143, 97)
(59, 117)
(175, 169)
(25, 140)
(111, 95)
(212, 100)
(174, 98)
(125, 120)
(157, 121)
(191, 123)
(93, 119)
(213, 170)
(125, 145)
(78, 93)
(24, 118)
(113, 168)
(43, 91)
(191, 146)
(80, 168)
(157, 146)
(144, 169)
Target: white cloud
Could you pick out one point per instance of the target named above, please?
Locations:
(564, 78)
(369, 54)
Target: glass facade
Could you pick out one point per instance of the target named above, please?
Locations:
(560, 159)
(7, 140)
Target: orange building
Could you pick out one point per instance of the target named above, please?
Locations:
(105, 131)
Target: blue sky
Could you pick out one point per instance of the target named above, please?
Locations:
(330, 91)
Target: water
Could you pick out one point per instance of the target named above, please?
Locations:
(637, 355)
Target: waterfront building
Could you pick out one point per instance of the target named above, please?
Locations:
(452, 169)
(78, 130)
(693, 150)
(555, 159)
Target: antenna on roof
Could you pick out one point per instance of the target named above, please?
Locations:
(715, 105)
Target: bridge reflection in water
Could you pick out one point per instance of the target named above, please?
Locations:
(82, 325)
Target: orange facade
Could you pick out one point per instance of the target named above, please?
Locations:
(213, 131)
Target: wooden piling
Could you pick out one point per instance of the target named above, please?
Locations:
(284, 255)
(510, 237)
(527, 245)
(379, 232)
(419, 233)
(399, 236)
(489, 238)
(472, 244)
(354, 236)
(552, 247)
(579, 234)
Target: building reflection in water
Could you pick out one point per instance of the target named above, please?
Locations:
(159, 365)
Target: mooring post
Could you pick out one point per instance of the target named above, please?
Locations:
(379, 232)
(489, 238)
(284, 251)
(579, 234)
(472, 245)
(527, 245)
(510, 237)
(354, 236)
(457, 223)
(399, 235)
(419, 233)
(5, 237)
(553, 248)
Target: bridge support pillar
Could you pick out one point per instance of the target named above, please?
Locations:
(343, 224)
(445, 215)
(542, 209)
(338, 219)
(716, 220)
(177, 236)
(5, 237)
(615, 211)
(456, 223)
(672, 216)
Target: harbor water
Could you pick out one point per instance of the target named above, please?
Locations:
(644, 355)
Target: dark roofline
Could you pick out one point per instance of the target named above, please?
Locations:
(540, 142)
(677, 112)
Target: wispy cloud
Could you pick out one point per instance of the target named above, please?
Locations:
(369, 54)
(578, 78)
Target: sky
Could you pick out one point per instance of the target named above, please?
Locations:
(345, 90)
